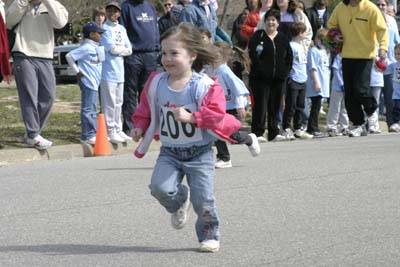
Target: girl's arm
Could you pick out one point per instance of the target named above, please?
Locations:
(314, 77)
(213, 107)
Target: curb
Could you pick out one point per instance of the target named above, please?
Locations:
(64, 152)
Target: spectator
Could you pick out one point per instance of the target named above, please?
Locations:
(5, 68)
(257, 10)
(167, 20)
(99, 15)
(318, 15)
(200, 14)
(117, 46)
(271, 58)
(357, 54)
(89, 57)
(140, 20)
(33, 61)
(237, 39)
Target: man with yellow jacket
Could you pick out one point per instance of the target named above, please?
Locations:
(362, 26)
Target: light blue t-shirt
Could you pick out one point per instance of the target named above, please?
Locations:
(318, 59)
(298, 73)
(394, 69)
(337, 80)
(89, 63)
(232, 85)
(174, 133)
(113, 66)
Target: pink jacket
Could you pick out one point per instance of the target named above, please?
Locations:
(211, 114)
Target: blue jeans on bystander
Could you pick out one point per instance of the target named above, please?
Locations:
(88, 112)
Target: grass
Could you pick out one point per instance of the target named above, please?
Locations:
(62, 128)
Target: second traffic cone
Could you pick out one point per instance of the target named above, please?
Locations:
(101, 147)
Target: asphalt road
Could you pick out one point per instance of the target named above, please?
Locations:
(327, 202)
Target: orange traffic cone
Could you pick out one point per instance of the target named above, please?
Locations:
(101, 147)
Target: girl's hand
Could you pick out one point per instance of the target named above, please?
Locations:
(183, 115)
(136, 134)
(317, 87)
(241, 113)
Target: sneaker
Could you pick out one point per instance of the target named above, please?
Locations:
(115, 138)
(254, 148)
(302, 134)
(279, 138)
(319, 135)
(220, 164)
(374, 131)
(38, 142)
(394, 128)
(322, 112)
(124, 136)
(289, 135)
(358, 131)
(345, 131)
(261, 139)
(90, 141)
(180, 217)
(332, 132)
(210, 245)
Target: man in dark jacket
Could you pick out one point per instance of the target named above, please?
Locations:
(168, 20)
(318, 15)
(140, 20)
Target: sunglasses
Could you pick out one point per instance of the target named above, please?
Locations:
(167, 5)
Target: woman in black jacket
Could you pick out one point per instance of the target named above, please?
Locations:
(271, 58)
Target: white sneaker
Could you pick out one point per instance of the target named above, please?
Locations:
(288, 133)
(124, 136)
(210, 245)
(115, 138)
(220, 164)
(254, 148)
(358, 131)
(261, 139)
(279, 138)
(180, 217)
(38, 142)
(90, 141)
(394, 128)
(302, 134)
(322, 112)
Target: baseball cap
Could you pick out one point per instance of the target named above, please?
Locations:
(114, 4)
(91, 27)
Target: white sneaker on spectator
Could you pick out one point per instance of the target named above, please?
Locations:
(90, 141)
(220, 164)
(279, 138)
(179, 218)
(302, 134)
(38, 142)
(115, 138)
(394, 128)
(358, 131)
(124, 136)
(210, 245)
(289, 135)
(254, 148)
(261, 139)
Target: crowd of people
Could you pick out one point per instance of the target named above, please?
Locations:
(200, 97)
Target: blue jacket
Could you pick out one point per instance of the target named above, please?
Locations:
(140, 21)
(196, 15)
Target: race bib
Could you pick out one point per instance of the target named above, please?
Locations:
(174, 132)
(396, 75)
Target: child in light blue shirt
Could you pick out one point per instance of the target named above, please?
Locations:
(318, 80)
(394, 69)
(116, 45)
(89, 57)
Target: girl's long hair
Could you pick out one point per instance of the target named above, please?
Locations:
(192, 39)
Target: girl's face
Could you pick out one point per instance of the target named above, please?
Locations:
(113, 13)
(266, 3)
(99, 19)
(282, 4)
(176, 58)
(382, 5)
(271, 24)
(397, 53)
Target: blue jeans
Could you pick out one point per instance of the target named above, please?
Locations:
(88, 112)
(166, 186)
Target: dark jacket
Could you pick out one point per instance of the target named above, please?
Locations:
(140, 21)
(165, 22)
(312, 15)
(275, 60)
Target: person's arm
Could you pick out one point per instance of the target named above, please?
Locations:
(15, 12)
(57, 12)
(313, 70)
(379, 26)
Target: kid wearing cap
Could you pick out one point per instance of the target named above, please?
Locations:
(87, 60)
(116, 45)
